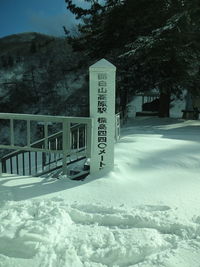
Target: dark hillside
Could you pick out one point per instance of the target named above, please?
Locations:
(38, 74)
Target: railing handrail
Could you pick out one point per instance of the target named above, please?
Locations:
(40, 118)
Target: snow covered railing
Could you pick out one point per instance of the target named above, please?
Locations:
(73, 138)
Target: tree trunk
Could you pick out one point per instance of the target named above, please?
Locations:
(164, 105)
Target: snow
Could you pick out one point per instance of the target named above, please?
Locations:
(144, 213)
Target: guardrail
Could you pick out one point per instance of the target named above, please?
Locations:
(74, 138)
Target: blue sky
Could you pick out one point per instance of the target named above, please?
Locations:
(46, 16)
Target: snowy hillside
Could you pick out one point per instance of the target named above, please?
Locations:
(37, 72)
(146, 212)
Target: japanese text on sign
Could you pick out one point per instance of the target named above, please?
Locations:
(102, 121)
(102, 93)
(102, 140)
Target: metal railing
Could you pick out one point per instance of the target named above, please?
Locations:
(117, 126)
(70, 143)
(51, 151)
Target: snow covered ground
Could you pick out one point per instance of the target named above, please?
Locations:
(146, 212)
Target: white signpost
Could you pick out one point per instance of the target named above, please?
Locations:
(102, 109)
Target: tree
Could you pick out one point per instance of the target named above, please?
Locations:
(155, 44)
(33, 47)
(170, 54)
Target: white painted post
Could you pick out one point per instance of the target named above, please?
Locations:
(64, 146)
(46, 135)
(28, 133)
(0, 168)
(12, 142)
(102, 109)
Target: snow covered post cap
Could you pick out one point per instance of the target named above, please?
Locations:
(102, 109)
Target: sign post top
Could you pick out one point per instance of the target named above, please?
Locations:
(102, 64)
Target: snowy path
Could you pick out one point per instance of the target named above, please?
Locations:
(145, 213)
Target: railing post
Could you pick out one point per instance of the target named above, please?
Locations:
(117, 127)
(28, 133)
(11, 133)
(85, 136)
(1, 168)
(78, 136)
(66, 143)
(89, 138)
(46, 135)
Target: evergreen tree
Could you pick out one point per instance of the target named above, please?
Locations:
(170, 54)
(155, 44)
